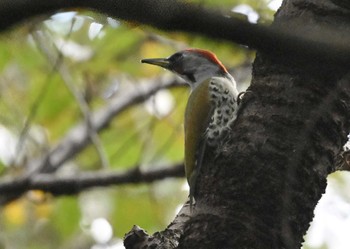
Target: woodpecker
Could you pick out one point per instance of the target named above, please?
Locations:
(211, 106)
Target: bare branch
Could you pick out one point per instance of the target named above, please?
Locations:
(78, 137)
(73, 184)
(300, 46)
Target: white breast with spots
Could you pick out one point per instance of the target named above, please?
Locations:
(223, 96)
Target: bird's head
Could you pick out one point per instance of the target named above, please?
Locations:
(193, 65)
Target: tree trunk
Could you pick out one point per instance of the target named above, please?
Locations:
(260, 188)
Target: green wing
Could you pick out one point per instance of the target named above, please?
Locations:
(198, 112)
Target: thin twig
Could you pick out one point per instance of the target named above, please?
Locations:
(69, 83)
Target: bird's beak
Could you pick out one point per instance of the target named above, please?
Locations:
(162, 62)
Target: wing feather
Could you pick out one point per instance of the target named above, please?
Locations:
(197, 115)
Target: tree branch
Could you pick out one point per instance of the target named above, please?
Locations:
(78, 137)
(73, 184)
(299, 44)
(167, 239)
(70, 185)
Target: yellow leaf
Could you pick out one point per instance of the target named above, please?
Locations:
(15, 213)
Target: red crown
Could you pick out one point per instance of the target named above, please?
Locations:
(210, 56)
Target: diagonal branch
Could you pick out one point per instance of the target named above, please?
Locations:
(168, 238)
(78, 137)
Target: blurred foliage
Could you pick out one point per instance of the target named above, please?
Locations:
(102, 55)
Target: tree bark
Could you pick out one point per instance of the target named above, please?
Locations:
(260, 188)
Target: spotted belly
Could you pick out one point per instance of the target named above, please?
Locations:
(223, 98)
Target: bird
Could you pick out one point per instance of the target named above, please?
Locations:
(211, 107)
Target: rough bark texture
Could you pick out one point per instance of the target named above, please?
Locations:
(261, 191)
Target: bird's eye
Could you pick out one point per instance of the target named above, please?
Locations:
(175, 57)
